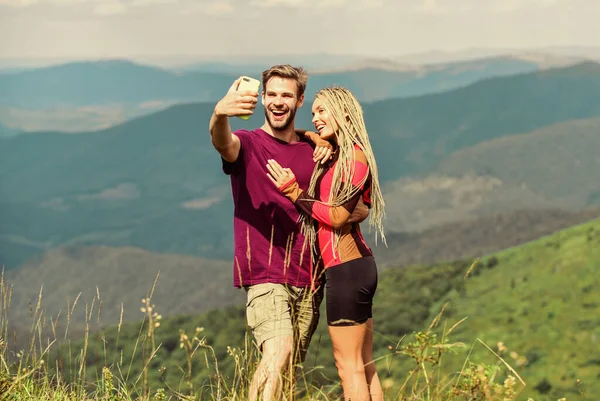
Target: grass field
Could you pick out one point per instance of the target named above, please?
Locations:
(518, 324)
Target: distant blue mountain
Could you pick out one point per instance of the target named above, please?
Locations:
(105, 82)
(6, 132)
(124, 82)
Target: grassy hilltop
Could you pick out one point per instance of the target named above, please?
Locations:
(527, 299)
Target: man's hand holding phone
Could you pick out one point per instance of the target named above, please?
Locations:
(237, 103)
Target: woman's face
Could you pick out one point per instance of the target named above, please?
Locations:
(324, 123)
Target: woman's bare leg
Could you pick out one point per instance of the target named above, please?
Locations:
(348, 343)
(370, 369)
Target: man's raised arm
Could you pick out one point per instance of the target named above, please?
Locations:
(233, 104)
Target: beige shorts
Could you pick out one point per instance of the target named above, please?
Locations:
(278, 310)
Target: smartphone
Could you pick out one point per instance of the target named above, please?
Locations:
(250, 84)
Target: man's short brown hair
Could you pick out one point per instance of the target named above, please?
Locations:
(288, 72)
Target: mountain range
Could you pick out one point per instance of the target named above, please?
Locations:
(155, 182)
(563, 152)
(83, 96)
(93, 83)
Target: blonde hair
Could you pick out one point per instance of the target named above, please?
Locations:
(286, 71)
(345, 109)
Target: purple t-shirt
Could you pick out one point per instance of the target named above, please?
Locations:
(268, 245)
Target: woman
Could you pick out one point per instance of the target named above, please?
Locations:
(351, 273)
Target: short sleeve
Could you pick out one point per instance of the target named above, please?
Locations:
(233, 168)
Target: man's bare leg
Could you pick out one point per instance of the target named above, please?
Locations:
(268, 376)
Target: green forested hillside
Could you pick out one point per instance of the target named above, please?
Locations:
(477, 236)
(539, 299)
(542, 301)
(121, 277)
(556, 162)
(124, 186)
(548, 168)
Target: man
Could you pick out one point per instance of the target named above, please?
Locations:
(271, 261)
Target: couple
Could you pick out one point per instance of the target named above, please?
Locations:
(297, 209)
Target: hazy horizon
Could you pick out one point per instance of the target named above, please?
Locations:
(431, 56)
(184, 30)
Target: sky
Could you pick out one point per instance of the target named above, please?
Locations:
(93, 29)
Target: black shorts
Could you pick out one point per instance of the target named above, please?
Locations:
(350, 289)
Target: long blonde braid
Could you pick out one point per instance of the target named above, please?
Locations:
(348, 114)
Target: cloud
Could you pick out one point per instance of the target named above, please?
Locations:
(430, 7)
(369, 28)
(56, 204)
(110, 7)
(439, 7)
(218, 8)
(120, 192)
(317, 4)
(151, 2)
(504, 6)
(27, 3)
(201, 203)
(17, 3)
(97, 7)
(279, 3)
(215, 8)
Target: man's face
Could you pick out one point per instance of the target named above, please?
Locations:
(280, 98)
